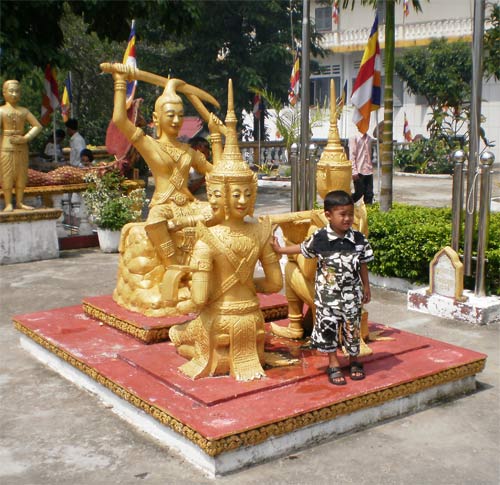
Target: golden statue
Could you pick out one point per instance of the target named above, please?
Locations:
(147, 249)
(14, 153)
(228, 335)
(334, 172)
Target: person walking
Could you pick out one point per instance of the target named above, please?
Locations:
(360, 154)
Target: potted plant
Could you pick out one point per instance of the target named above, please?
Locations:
(110, 207)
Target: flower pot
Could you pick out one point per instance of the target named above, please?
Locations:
(108, 240)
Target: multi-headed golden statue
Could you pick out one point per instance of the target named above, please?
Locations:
(14, 153)
(334, 172)
(228, 335)
(148, 249)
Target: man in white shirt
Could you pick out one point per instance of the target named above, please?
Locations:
(360, 154)
(76, 142)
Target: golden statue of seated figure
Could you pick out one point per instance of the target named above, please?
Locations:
(14, 153)
(228, 334)
(148, 249)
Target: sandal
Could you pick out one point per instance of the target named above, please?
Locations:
(335, 376)
(356, 371)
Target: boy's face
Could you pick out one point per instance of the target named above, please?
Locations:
(340, 218)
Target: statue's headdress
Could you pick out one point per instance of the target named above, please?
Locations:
(231, 168)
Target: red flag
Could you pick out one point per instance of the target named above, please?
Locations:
(335, 11)
(257, 102)
(50, 99)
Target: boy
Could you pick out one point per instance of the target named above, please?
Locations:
(341, 286)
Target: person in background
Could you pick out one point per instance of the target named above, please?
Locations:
(86, 157)
(360, 154)
(50, 151)
(196, 179)
(76, 142)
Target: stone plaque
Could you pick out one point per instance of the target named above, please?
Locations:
(447, 274)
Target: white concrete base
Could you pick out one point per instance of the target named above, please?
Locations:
(29, 240)
(270, 449)
(477, 310)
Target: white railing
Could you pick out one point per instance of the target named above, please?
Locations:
(407, 32)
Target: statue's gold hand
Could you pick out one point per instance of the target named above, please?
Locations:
(118, 70)
(18, 140)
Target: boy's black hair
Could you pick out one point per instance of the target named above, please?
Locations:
(336, 198)
(197, 141)
(87, 152)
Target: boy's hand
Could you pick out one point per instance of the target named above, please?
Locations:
(367, 296)
(276, 245)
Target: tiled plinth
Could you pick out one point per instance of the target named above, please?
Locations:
(221, 425)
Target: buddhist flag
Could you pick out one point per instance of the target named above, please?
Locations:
(130, 59)
(407, 131)
(366, 91)
(335, 11)
(293, 92)
(50, 99)
(406, 7)
(66, 99)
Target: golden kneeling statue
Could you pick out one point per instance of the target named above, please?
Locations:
(228, 335)
(149, 248)
(334, 172)
(14, 153)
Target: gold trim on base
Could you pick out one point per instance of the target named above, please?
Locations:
(19, 215)
(252, 437)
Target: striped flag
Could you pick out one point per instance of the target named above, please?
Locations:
(50, 99)
(130, 59)
(407, 131)
(257, 106)
(366, 91)
(406, 7)
(335, 11)
(293, 92)
(66, 99)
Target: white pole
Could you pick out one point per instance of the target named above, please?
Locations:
(54, 134)
(378, 157)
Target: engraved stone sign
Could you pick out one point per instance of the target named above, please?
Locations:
(447, 274)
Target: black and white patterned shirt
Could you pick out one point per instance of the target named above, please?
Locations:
(339, 259)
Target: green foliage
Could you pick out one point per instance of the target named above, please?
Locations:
(442, 74)
(406, 239)
(424, 156)
(108, 205)
(492, 44)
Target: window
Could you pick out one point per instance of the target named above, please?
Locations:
(323, 19)
(320, 90)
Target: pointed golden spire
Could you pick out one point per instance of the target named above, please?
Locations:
(333, 171)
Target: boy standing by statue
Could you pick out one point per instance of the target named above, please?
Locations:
(14, 154)
(341, 285)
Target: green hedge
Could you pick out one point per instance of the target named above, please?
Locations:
(406, 239)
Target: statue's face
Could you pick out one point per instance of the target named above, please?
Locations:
(239, 200)
(215, 197)
(11, 92)
(170, 118)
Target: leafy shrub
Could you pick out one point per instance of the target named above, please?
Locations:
(406, 239)
(424, 156)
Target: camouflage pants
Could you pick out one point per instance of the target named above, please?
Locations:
(338, 321)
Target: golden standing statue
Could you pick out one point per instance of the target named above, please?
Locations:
(14, 153)
(228, 335)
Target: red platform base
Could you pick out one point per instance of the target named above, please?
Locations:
(221, 416)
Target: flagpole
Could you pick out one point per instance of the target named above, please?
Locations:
(54, 134)
(379, 175)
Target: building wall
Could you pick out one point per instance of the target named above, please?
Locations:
(346, 41)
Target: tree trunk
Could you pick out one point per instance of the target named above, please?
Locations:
(387, 149)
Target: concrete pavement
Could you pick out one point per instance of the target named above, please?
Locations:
(52, 432)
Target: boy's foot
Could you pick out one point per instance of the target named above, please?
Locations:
(335, 376)
(356, 371)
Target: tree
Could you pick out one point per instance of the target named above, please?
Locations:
(492, 44)
(441, 73)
